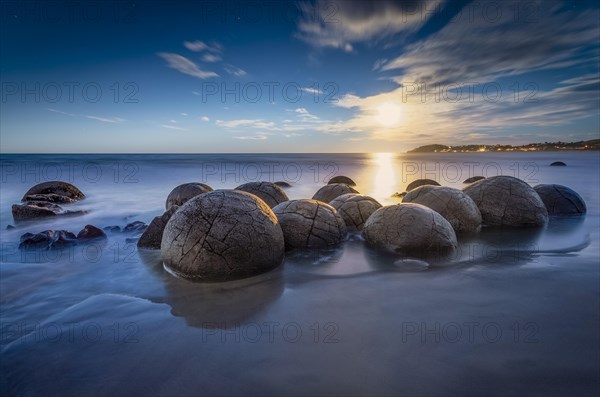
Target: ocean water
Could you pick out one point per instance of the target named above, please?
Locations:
(514, 312)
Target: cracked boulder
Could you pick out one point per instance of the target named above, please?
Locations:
(331, 191)
(421, 182)
(152, 236)
(342, 179)
(58, 188)
(268, 192)
(507, 201)
(410, 229)
(183, 193)
(355, 209)
(453, 204)
(310, 224)
(561, 200)
(222, 235)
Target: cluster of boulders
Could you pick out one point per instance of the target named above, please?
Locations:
(218, 235)
(43, 199)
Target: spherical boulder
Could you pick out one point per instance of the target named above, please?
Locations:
(342, 179)
(152, 236)
(453, 204)
(268, 192)
(507, 201)
(222, 235)
(329, 192)
(283, 184)
(183, 193)
(310, 224)
(561, 200)
(473, 179)
(355, 209)
(55, 187)
(558, 164)
(421, 182)
(410, 229)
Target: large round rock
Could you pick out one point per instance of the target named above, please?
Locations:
(355, 209)
(507, 201)
(222, 235)
(331, 191)
(342, 179)
(561, 200)
(55, 188)
(310, 224)
(410, 229)
(453, 204)
(420, 182)
(183, 193)
(269, 192)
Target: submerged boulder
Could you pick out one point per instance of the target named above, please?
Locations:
(55, 188)
(90, 232)
(152, 236)
(183, 193)
(40, 209)
(331, 191)
(48, 239)
(283, 184)
(421, 182)
(342, 179)
(561, 200)
(558, 164)
(473, 179)
(453, 204)
(268, 192)
(135, 227)
(507, 201)
(222, 235)
(355, 209)
(410, 229)
(310, 224)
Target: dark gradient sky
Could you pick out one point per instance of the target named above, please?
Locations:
(235, 76)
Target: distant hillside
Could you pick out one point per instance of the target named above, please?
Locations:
(593, 144)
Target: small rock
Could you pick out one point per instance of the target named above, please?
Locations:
(558, 164)
(90, 232)
(8, 227)
(135, 226)
(48, 239)
(112, 229)
(399, 195)
(342, 179)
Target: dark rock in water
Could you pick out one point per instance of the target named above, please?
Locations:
(135, 226)
(558, 164)
(49, 198)
(8, 227)
(112, 229)
(399, 195)
(48, 239)
(329, 192)
(222, 235)
(183, 193)
(410, 229)
(355, 209)
(152, 236)
(453, 204)
(55, 187)
(268, 192)
(561, 200)
(310, 224)
(473, 179)
(132, 240)
(342, 179)
(421, 182)
(39, 209)
(90, 232)
(507, 201)
(283, 184)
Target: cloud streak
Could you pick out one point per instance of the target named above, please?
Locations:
(185, 66)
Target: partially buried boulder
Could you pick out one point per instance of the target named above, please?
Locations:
(55, 187)
(558, 164)
(421, 182)
(49, 198)
(453, 204)
(90, 232)
(410, 229)
(48, 239)
(561, 200)
(40, 209)
(507, 201)
(268, 192)
(152, 236)
(183, 193)
(342, 179)
(355, 209)
(283, 184)
(222, 235)
(310, 224)
(473, 179)
(331, 191)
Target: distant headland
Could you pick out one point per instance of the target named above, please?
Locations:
(593, 144)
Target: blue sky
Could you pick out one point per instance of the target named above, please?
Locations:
(321, 76)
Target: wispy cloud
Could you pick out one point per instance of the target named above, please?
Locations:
(106, 119)
(205, 118)
(211, 58)
(199, 46)
(251, 123)
(173, 127)
(185, 66)
(257, 137)
(234, 70)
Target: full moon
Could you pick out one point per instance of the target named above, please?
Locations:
(388, 114)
